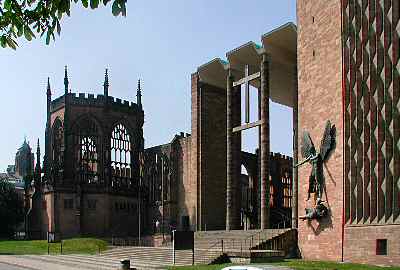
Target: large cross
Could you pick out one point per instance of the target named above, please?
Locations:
(246, 82)
(247, 95)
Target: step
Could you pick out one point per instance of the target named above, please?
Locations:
(59, 260)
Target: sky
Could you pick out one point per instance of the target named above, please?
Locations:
(160, 42)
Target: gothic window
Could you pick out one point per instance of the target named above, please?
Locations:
(287, 190)
(58, 143)
(57, 150)
(68, 203)
(272, 195)
(87, 152)
(92, 204)
(121, 157)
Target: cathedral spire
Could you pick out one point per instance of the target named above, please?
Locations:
(48, 100)
(106, 84)
(139, 95)
(37, 169)
(48, 87)
(66, 81)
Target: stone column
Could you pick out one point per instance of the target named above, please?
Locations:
(237, 95)
(230, 168)
(295, 183)
(265, 147)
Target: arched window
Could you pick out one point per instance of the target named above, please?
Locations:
(287, 190)
(87, 151)
(58, 143)
(121, 157)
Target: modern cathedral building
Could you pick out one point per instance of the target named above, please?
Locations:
(338, 70)
(349, 73)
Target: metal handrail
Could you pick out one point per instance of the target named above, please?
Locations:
(211, 248)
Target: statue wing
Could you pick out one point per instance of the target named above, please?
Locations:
(307, 147)
(328, 141)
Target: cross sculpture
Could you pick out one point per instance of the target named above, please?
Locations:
(317, 159)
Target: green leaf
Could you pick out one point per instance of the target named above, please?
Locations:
(11, 43)
(94, 4)
(123, 8)
(48, 38)
(20, 31)
(115, 8)
(7, 4)
(59, 14)
(27, 33)
(85, 3)
(58, 27)
(105, 2)
(3, 41)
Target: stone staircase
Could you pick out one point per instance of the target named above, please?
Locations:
(236, 239)
(210, 247)
(158, 257)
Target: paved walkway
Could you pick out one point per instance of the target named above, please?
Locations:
(72, 262)
(59, 262)
(4, 266)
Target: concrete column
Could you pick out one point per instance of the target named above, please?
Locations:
(230, 168)
(265, 139)
(295, 183)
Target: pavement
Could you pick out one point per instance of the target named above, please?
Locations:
(76, 262)
(57, 262)
(4, 266)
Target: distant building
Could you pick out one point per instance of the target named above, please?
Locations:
(11, 170)
(24, 161)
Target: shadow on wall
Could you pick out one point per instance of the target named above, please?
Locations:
(323, 224)
(182, 208)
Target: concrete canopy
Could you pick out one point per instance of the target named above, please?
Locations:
(214, 72)
(280, 44)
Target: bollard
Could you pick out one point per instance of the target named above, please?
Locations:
(125, 264)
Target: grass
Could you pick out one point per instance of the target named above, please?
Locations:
(70, 246)
(201, 267)
(311, 265)
(297, 265)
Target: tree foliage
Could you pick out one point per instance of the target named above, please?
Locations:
(11, 209)
(22, 18)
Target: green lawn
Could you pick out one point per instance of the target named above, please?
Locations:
(298, 265)
(70, 246)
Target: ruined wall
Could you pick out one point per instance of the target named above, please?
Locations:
(320, 99)
(186, 197)
(195, 144)
(123, 216)
(209, 153)
(67, 218)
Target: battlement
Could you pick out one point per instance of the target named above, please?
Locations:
(83, 99)
(183, 135)
(279, 156)
(276, 156)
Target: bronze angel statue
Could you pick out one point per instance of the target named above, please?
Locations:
(310, 154)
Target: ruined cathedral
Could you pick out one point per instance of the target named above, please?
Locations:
(98, 179)
(91, 166)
